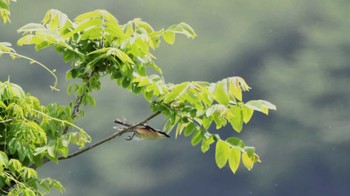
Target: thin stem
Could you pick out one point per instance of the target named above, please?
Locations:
(116, 134)
(56, 119)
(5, 121)
(37, 62)
(79, 100)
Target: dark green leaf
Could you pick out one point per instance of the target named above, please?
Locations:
(189, 129)
(126, 82)
(236, 142)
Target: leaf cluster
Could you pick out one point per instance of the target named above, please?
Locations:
(97, 45)
(5, 10)
(29, 135)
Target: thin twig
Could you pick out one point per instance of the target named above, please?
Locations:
(116, 134)
(5, 121)
(78, 101)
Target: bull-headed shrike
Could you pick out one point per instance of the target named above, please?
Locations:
(143, 131)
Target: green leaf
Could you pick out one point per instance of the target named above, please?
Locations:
(221, 93)
(169, 37)
(184, 29)
(234, 159)
(180, 127)
(85, 26)
(236, 143)
(260, 105)
(4, 4)
(30, 173)
(15, 165)
(51, 148)
(248, 162)
(222, 153)
(126, 82)
(206, 142)
(247, 113)
(31, 27)
(120, 54)
(155, 67)
(191, 127)
(234, 88)
(28, 192)
(250, 151)
(178, 91)
(237, 119)
(3, 158)
(206, 122)
(197, 137)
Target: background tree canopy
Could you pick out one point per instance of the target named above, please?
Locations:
(293, 53)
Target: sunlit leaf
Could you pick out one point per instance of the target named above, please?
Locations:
(169, 37)
(28, 192)
(3, 158)
(236, 143)
(247, 161)
(260, 105)
(178, 91)
(197, 137)
(206, 142)
(190, 128)
(184, 29)
(234, 159)
(237, 119)
(247, 113)
(222, 153)
(30, 27)
(221, 93)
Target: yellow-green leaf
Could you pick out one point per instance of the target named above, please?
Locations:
(247, 113)
(197, 137)
(206, 142)
(3, 158)
(221, 93)
(260, 105)
(178, 91)
(234, 159)
(248, 162)
(237, 118)
(222, 153)
(169, 37)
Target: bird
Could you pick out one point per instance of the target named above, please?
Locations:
(143, 131)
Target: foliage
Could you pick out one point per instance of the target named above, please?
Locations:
(5, 10)
(30, 134)
(97, 46)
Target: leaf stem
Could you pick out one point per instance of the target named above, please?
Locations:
(37, 62)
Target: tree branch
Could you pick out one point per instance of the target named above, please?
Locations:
(79, 99)
(116, 134)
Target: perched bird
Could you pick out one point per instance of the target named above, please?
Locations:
(143, 131)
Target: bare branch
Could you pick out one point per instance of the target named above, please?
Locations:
(116, 134)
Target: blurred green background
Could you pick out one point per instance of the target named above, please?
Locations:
(294, 53)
